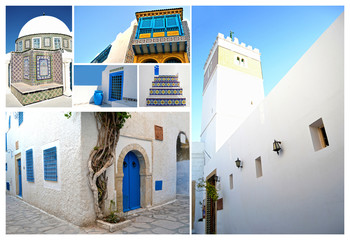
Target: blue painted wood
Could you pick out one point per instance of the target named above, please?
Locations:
(117, 92)
(131, 182)
(159, 185)
(19, 178)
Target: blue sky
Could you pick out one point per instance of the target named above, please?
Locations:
(97, 26)
(282, 34)
(18, 16)
(88, 74)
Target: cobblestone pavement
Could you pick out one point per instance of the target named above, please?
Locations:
(172, 218)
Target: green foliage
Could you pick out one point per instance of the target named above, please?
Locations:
(209, 188)
(68, 115)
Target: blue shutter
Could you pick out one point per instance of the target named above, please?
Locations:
(9, 122)
(159, 185)
(30, 167)
(20, 118)
(6, 141)
(50, 164)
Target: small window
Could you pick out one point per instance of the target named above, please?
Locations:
(36, 42)
(20, 118)
(20, 46)
(242, 62)
(65, 43)
(50, 164)
(57, 43)
(47, 42)
(319, 135)
(29, 165)
(231, 181)
(27, 43)
(258, 167)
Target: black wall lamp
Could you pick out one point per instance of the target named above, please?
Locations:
(216, 178)
(239, 163)
(276, 146)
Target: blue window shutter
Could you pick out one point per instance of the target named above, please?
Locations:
(20, 118)
(9, 122)
(6, 141)
(50, 164)
(30, 166)
(159, 185)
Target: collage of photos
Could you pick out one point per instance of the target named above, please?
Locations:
(174, 120)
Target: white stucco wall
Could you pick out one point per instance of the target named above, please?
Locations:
(197, 173)
(120, 45)
(40, 131)
(301, 190)
(83, 94)
(139, 129)
(146, 76)
(129, 82)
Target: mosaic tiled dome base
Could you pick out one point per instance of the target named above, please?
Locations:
(166, 91)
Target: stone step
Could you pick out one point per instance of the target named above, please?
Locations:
(170, 101)
(166, 84)
(166, 91)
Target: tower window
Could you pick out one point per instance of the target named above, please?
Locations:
(57, 43)
(319, 135)
(20, 46)
(258, 167)
(238, 60)
(231, 181)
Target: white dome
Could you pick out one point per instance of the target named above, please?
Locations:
(44, 24)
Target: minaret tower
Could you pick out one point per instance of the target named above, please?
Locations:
(233, 87)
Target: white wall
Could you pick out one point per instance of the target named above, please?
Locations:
(139, 129)
(301, 190)
(38, 132)
(146, 76)
(129, 82)
(83, 94)
(197, 173)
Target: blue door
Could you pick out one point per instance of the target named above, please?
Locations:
(19, 177)
(131, 182)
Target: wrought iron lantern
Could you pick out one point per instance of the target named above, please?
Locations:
(239, 163)
(216, 178)
(276, 146)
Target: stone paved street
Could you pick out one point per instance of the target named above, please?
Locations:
(172, 218)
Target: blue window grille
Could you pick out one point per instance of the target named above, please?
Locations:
(163, 23)
(159, 185)
(30, 167)
(50, 164)
(20, 118)
(116, 86)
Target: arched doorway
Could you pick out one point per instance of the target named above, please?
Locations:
(131, 153)
(131, 182)
(172, 60)
(182, 164)
(150, 60)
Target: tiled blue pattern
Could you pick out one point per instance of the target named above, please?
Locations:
(43, 62)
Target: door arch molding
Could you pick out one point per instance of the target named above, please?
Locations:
(145, 176)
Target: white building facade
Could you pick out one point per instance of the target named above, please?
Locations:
(119, 86)
(298, 190)
(47, 155)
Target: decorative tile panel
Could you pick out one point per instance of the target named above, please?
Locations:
(26, 67)
(33, 97)
(43, 67)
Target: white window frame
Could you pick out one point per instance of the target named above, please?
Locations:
(49, 38)
(54, 44)
(21, 46)
(39, 42)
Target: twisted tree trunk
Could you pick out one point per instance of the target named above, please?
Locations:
(103, 155)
